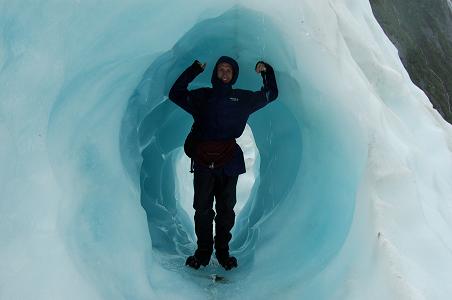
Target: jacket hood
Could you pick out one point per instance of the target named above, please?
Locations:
(235, 67)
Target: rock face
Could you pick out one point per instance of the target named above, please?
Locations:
(422, 32)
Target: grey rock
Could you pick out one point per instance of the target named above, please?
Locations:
(422, 32)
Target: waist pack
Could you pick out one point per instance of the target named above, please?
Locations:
(212, 154)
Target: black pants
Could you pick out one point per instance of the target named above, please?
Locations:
(223, 187)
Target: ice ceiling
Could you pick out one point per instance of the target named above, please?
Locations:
(349, 171)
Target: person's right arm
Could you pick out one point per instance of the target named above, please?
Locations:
(179, 92)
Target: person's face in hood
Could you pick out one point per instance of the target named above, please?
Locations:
(225, 72)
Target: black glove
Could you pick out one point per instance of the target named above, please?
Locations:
(198, 66)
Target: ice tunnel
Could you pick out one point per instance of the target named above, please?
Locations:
(96, 196)
(280, 132)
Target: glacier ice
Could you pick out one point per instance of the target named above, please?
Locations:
(347, 193)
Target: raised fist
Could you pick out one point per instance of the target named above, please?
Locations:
(202, 65)
(260, 67)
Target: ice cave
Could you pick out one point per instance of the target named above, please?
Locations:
(347, 193)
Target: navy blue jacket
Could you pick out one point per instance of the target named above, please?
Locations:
(221, 112)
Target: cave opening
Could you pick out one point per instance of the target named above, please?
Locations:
(272, 139)
(301, 197)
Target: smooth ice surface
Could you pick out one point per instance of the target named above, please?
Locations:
(349, 171)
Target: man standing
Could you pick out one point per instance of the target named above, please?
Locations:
(220, 114)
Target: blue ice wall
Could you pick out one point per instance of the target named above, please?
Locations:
(90, 145)
(302, 204)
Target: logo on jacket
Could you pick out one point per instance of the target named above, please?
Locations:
(233, 99)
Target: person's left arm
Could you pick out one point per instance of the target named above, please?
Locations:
(269, 91)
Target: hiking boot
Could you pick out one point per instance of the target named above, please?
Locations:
(195, 263)
(200, 258)
(226, 261)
